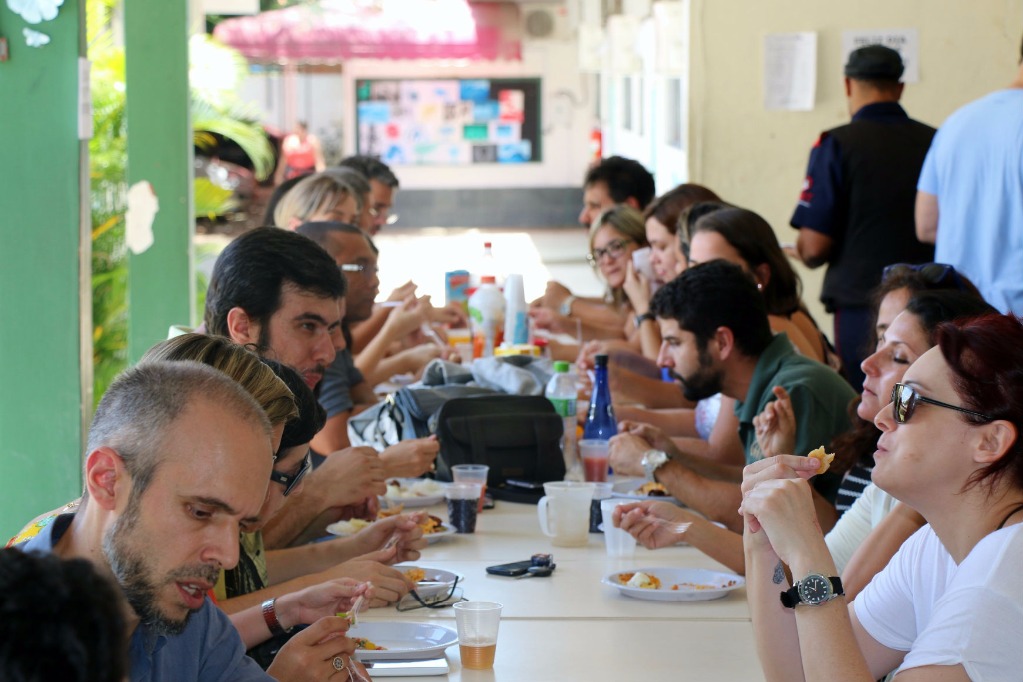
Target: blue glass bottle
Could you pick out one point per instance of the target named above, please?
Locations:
(600, 420)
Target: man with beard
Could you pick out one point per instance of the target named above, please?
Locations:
(158, 517)
(347, 385)
(717, 339)
(284, 295)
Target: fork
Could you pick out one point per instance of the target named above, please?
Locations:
(670, 526)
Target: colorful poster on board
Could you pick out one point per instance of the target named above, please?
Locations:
(449, 121)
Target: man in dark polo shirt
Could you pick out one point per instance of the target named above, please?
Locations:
(855, 213)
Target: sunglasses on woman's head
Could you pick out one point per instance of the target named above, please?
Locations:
(933, 273)
(905, 399)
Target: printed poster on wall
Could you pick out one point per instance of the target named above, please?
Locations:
(449, 121)
(905, 41)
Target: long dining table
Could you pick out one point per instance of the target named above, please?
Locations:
(570, 626)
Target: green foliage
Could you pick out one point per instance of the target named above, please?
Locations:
(215, 73)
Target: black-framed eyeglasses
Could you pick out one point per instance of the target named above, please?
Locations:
(614, 249)
(905, 399)
(361, 268)
(440, 600)
(935, 274)
(391, 218)
(289, 481)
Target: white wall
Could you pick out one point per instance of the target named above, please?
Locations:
(758, 158)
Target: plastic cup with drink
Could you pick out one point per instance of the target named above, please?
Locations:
(472, 473)
(594, 456)
(463, 499)
(477, 623)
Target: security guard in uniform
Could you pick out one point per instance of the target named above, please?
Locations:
(855, 213)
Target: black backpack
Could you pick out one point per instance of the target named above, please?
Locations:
(518, 437)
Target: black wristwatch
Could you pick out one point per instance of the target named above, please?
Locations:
(640, 319)
(813, 590)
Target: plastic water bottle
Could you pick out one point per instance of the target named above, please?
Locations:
(516, 318)
(486, 317)
(561, 391)
(600, 419)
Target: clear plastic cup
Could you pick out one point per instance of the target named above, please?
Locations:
(477, 623)
(472, 473)
(594, 455)
(617, 542)
(462, 506)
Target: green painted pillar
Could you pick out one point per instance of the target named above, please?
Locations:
(44, 241)
(161, 287)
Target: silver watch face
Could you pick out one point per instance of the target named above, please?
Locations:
(815, 589)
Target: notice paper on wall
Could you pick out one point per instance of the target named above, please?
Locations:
(905, 41)
(790, 71)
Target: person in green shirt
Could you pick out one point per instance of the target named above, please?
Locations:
(717, 339)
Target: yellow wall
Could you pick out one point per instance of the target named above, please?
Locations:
(757, 158)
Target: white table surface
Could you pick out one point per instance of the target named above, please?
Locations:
(571, 627)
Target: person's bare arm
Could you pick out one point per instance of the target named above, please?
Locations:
(878, 548)
(319, 161)
(631, 387)
(364, 331)
(334, 434)
(345, 478)
(926, 214)
(643, 520)
(675, 422)
(814, 248)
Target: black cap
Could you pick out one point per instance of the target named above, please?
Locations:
(874, 62)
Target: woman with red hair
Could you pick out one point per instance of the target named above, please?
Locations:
(949, 606)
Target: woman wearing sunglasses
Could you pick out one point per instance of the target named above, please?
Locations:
(949, 606)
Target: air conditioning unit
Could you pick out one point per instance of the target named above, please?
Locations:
(545, 21)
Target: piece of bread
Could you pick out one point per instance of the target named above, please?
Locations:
(824, 457)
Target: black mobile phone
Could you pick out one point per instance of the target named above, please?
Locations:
(513, 569)
(538, 564)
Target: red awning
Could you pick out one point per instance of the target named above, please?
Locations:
(336, 30)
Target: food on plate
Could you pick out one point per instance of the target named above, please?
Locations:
(390, 511)
(415, 574)
(400, 490)
(651, 489)
(824, 457)
(703, 586)
(641, 580)
(432, 524)
(350, 527)
(363, 643)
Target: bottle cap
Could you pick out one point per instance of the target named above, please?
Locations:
(488, 279)
(561, 367)
(600, 360)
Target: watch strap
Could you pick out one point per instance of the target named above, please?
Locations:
(270, 616)
(790, 598)
(565, 308)
(640, 319)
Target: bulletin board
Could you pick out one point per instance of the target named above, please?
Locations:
(449, 122)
